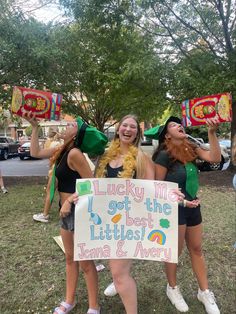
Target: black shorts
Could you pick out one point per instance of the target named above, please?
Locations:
(190, 216)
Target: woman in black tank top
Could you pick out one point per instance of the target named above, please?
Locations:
(120, 161)
(70, 164)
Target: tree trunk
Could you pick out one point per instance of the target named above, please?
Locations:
(233, 137)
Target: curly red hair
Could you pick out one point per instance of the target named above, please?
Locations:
(184, 152)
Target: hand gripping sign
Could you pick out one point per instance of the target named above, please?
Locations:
(126, 218)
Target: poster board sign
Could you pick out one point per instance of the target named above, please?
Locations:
(195, 111)
(58, 240)
(45, 105)
(126, 218)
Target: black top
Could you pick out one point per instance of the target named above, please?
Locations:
(113, 172)
(176, 171)
(65, 175)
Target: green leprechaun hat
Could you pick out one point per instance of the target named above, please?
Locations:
(152, 133)
(159, 131)
(89, 139)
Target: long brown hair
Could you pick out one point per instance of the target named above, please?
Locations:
(59, 152)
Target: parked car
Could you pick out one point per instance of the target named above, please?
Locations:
(146, 141)
(8, 146)
(24, 150)
(207, 166)
(227, 144)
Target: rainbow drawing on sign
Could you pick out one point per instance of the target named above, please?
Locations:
(157, 236)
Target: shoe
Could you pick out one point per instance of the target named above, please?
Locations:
(176, 298)
(93, 311)
(40, 217)
(110, 291)
(208, 299)
(4, 190)
(68, 307)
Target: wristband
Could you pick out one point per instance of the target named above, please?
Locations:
(185, 203)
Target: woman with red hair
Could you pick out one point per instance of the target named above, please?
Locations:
(175, 161)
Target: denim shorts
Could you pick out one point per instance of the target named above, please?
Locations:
(68, 222)
(190, 216)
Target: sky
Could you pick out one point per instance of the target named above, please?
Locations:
(47, 13)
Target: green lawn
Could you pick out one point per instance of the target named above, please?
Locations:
(32, 276)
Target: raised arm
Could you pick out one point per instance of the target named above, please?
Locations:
(214, 154)
(35, 150)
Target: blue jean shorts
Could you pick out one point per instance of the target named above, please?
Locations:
(68, 222)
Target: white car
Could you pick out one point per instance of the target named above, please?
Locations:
(227, 144)
(207, 166)
(24, 151)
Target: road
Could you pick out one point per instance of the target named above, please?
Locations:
(27, 167)
(16, 167)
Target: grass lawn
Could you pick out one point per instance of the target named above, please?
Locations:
(32, 277)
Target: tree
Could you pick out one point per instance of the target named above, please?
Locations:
(28, 131)
(186, 26)
(117, 71)
(103, 67)
(28, 55)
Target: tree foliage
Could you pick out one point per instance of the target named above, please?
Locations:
(117, 71)
(121, 56)
(199, 37)
(103, 66)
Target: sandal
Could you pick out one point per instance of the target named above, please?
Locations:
(68, 307)
(93, 311)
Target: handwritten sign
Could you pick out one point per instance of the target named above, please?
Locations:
(126, 218)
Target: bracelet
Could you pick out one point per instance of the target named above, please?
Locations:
(185, 203)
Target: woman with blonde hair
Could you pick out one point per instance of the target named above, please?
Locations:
(124, 159)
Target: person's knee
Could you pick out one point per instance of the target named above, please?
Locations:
(196, 250)
(120, 277)
(69, 258)
(87, 266)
